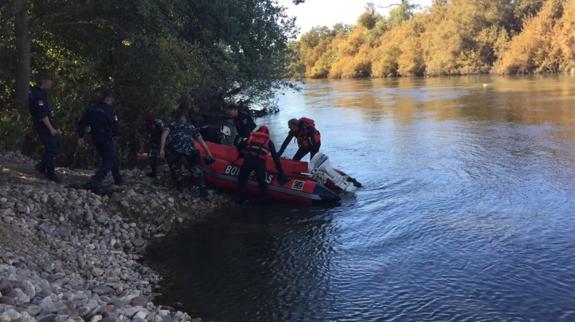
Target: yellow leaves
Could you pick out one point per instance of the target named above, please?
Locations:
(451, 38)
(537, 47)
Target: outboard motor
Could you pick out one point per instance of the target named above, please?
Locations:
(322, 171)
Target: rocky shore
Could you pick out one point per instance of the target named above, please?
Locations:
(71, 255)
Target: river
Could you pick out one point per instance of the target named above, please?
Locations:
(467, 211)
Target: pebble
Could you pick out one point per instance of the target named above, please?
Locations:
(10, 315)
(69, 255)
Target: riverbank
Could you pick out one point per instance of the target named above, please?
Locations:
(70, 255)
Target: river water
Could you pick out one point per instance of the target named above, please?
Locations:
(467, 212)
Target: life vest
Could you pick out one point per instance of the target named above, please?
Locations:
(307, 126)
(307, 121)
(258, 144)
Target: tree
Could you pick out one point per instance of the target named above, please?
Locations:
(152, 53)
(23, 54)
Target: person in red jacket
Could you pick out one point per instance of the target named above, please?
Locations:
(255, 151)
(307, 136)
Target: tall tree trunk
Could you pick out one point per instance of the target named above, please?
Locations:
(23, 61)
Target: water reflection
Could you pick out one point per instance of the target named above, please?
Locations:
(249, 266)
(535, 100)
(468, 211)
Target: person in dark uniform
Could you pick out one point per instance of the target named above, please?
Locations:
(103, 124)
(177, 147)
(255, 151)
(153, 129)
(307, 136)
(243, 121)
(41, 113)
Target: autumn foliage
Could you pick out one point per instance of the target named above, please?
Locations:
(452, 37)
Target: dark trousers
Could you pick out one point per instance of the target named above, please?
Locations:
(176, 159)
(302, 152)
(51, 146)
(154, 156)
(107, 151)
(258, 165)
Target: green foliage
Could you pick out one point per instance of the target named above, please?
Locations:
(152, 53)
(404, 11)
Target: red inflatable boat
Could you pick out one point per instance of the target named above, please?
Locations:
(301, 189)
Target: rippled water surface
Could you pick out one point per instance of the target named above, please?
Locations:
(468, 212)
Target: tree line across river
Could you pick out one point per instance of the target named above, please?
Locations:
(452, 37)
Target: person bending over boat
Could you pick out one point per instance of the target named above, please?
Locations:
(307, 136)
(254, 151)
(177, 147)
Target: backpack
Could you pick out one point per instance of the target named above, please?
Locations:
(307, 121)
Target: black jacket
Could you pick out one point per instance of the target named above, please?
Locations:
(102, 121)
(39, 108)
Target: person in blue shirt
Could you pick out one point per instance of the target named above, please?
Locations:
(41, 113)
(177, 147)
(103, 125)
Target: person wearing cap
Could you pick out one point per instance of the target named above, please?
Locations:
(153, 128)
(255, 151)
(103, 124)
(41, 113)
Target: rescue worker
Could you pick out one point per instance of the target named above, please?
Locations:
(153, 129)
(255, 151)
(41, 113)
(243, 122)
(103, 124)
(177, 147)
(307, 136)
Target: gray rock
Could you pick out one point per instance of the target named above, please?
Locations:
(138, 312)
(29, 289)
(6, 285)
(62, 318)
(109, 319)
(51, 304)
(96, 318)
(19, 296)
(26, 317)
(97, 271)
(33, 310)
(10, 315)
(139, 242)
(103, 290)
(8, 300)
(139, 301)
